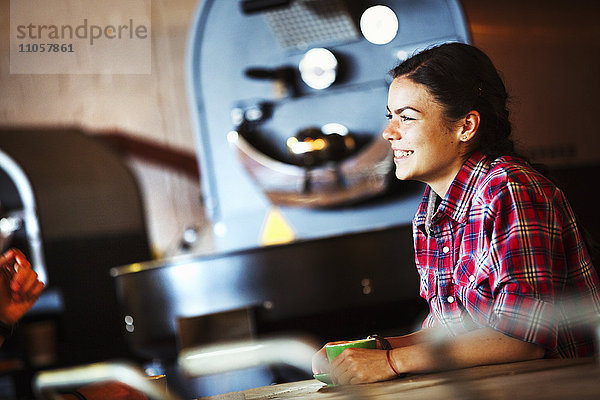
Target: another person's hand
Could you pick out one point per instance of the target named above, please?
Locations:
(19, 286)
(112, 391)
(356, 365)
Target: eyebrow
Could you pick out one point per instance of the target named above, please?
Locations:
(399, 111)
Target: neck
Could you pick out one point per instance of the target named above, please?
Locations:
(441, 184)
(441, 187)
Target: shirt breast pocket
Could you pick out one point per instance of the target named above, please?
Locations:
(471, 277)
(427, 283)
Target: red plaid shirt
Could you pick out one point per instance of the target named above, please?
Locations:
(504, 251)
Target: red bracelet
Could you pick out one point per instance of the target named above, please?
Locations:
(387, 353)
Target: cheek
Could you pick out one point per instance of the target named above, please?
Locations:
(441, 136)
(422, 140)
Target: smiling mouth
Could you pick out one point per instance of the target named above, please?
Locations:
(400, 154)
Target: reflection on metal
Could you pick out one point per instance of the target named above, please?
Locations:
(379, 24)
(364, 175)
(313, 147)
(9, 224)
(225, 357)
(46, 384)
(307, 145)
(334, 127)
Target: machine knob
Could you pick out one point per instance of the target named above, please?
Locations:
(318, 68)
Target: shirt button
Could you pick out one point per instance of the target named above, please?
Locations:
(445, 249)
(472, 278)
(450, 299)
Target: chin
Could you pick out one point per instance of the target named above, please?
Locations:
(402, 175)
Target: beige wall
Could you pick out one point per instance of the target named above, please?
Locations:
(153, 107)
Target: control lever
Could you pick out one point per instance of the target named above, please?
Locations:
(254, 6)
(284, 77)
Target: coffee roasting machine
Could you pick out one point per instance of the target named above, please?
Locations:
(288, 102)
(72, 206)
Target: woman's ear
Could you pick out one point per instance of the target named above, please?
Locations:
(470, 126)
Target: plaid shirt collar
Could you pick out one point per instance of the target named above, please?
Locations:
(457, 201)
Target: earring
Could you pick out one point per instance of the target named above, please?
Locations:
(464, 137)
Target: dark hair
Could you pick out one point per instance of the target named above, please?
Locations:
(463, 78)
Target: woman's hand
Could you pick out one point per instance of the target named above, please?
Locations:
(357, 365)
(19, 286)
(320, 363)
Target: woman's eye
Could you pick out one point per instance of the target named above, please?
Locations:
(403, 118)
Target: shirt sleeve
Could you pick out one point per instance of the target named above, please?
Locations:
(429, 321)
(525, 255)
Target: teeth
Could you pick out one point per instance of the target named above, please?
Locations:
(399, 153)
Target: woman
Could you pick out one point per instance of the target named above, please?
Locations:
(501, 261)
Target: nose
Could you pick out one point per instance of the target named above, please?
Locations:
(390, 132)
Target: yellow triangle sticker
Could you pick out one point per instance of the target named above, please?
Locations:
(276, 230)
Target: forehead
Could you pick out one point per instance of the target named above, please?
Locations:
(404, 92)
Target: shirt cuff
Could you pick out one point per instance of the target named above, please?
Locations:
(526, 318)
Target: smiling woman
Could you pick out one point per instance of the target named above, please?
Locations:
(502, 262)
(426, 146)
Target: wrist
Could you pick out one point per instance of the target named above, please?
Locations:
(382, 343)
(392, 364)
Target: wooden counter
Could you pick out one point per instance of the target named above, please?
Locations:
(539, 379)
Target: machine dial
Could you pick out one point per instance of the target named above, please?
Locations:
(379, 24)
(318, 68)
